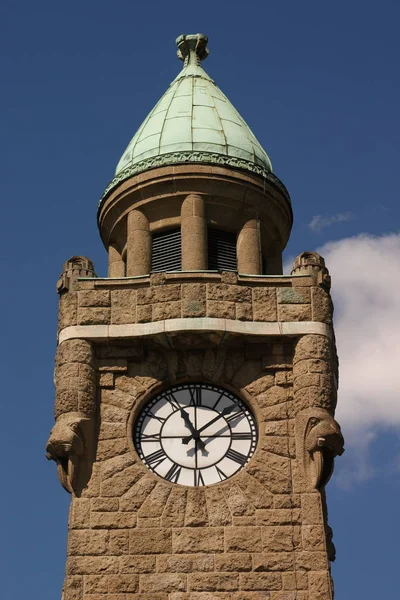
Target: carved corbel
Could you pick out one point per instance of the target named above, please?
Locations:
(318, 441)
(69, 445)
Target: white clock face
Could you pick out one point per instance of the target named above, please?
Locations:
(195, 434)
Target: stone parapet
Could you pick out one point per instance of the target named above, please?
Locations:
(195, 294)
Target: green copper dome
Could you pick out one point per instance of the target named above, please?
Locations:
(193, 122)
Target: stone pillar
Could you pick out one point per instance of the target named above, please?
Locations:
(249, 248)
(71, 440)
(116, 266)
(194, 234)
(138, 251)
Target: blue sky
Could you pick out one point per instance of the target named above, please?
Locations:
(318, 83)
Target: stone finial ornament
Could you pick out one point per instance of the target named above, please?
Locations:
(311, 263)
(192, 46)
(68, 446)
(318, 440)
(74, 267)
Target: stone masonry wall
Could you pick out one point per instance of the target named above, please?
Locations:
(257, 536)
(171, 296)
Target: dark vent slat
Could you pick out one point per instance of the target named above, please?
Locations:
(221, 250)
(166, 252)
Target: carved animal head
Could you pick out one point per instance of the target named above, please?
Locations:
(66, 446)
(319, 440)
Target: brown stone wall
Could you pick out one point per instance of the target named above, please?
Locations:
(172, 296)
(257, 536)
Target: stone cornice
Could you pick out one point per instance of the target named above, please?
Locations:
(201, 324)
(194, 157)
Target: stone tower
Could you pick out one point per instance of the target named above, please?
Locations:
(196, 384)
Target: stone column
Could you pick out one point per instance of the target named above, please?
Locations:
(194, 234)
(249, 248)
(116, 266)
(138, 251)
(71, 442)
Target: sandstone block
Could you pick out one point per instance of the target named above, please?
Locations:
(294, 312)
(260, 385)
(298, 295)
(73, 588)
(92, 565)
(174, 512)
(264, 304)
(138, 564)
(244, 311)
(254, 490)
(273, 561)
(121, 482)
(200, 596)
(79, 351)
(123, 583)
(137, 494)
(166, 310)
(94, 298)
(68, 310)
(154, 504)
(151, 541)
(281, 538)
(119, 542)
(112, 520)
(228, 292)
(313, 538)
(233, 562)
(277, 445)
(167, 583)
(193, 308)
(295, 581)
(322, 308)
(80, 513)
(109, 431)
(320, 585)
(96, 584)
(275, 481)
(260, 581)
(218, 510)
(251, 596)
(194, 292)
(104, 504)
(213, 582)
(110, 448)
(311, 561)
(123, 306)
(287, 501)
(221, 310)
(106, 380)
(276, 428)
(87, 542)
(312, 346)
(196, 508)
(150, 522)
(237, 501)
(274, 395)
(181, 563)
(94, 315)
(144, 313)
(243, 539)
(194, 540)
(278, 516)
(283, 378)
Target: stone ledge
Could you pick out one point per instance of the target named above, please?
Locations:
(205, 324)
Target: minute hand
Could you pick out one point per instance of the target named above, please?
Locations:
(225, 411)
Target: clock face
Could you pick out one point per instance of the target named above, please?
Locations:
(195, 434)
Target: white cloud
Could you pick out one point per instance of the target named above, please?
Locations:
(318, 222)
(365, 274)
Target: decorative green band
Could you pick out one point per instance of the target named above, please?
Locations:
(174, 158)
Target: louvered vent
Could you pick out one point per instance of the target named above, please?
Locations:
(166, 254)
(221, 250)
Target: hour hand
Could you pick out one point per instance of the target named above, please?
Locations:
(185, 416)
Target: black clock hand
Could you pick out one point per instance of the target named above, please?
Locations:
(194, 432)
(185, 416)
(225, 411)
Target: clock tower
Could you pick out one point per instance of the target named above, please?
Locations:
(196, 384)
